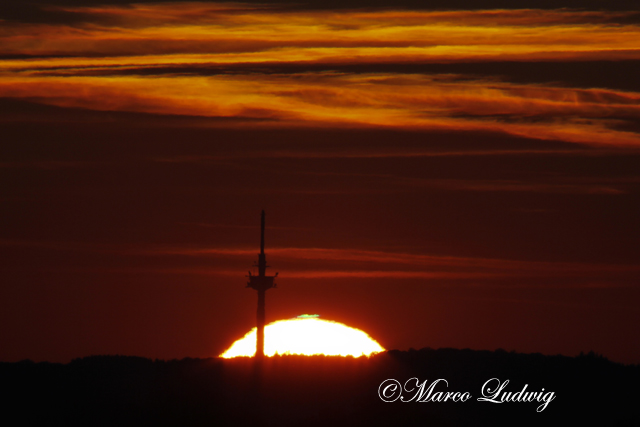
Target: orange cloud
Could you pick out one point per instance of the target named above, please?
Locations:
(330, 99)
(331, 263)
(101, 65)
(351, 36)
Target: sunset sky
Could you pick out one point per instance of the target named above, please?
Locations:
(458, 174)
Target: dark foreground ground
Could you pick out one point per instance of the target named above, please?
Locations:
(316, 391)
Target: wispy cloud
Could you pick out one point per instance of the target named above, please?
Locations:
(291, 35)
(323, 263)
(400, 264)
(369, 153)
(586, 116)
(361, 183)
(102, 62)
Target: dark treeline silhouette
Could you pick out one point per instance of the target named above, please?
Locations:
(316, 391)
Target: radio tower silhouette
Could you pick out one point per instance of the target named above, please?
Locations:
(261, 283)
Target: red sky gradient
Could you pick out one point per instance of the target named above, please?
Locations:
(442, 178)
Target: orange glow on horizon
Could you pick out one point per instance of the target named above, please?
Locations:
(306, 336)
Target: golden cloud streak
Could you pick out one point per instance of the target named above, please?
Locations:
(322, 35)
(322, 99)
(116, 41)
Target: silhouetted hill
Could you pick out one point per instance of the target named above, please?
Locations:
(317, 391)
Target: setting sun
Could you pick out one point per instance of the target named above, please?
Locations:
(307, 335)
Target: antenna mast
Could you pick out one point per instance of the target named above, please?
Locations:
(261, 283)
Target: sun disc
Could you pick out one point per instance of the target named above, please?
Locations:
(306, 335)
